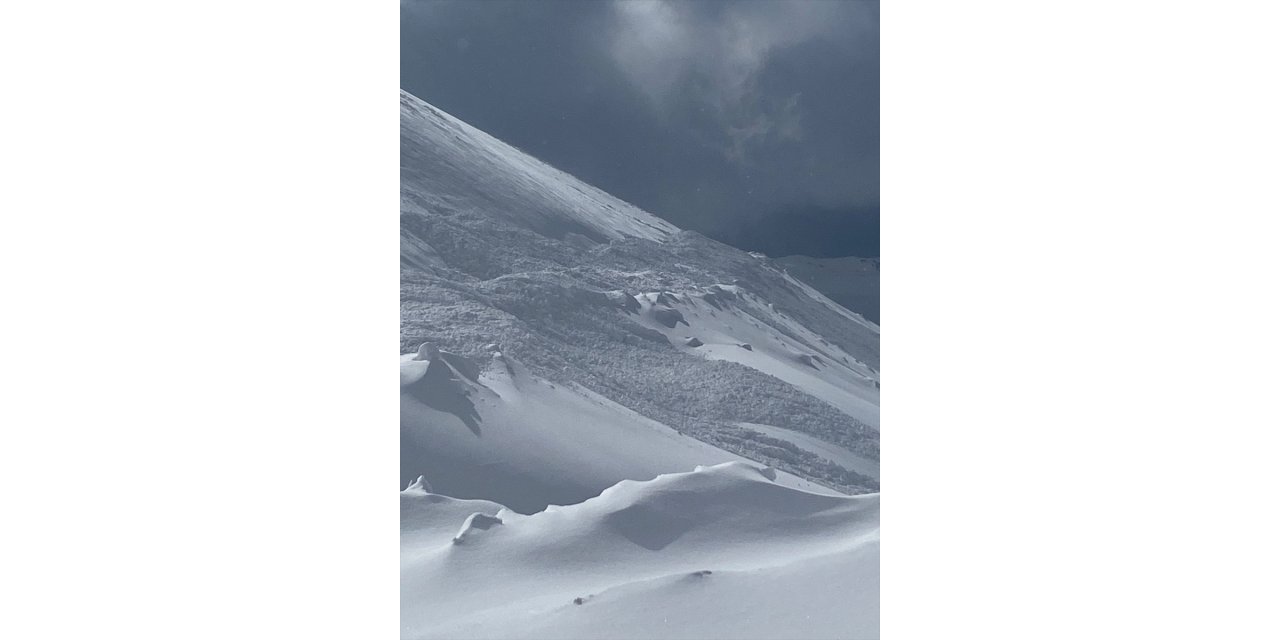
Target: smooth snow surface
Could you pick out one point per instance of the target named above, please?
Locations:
(517, 439)
(614, 428)
(720, 552)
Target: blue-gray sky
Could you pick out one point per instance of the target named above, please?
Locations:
(754, 122)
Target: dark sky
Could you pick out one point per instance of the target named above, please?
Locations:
(755, 123)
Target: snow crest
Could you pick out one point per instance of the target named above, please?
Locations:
(637, 545)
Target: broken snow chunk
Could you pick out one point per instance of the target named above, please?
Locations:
(420, 485)
(693, 342)
(427, 351)
(624, 301)
(668, 317)
(810, 360)
(475, 522)
(746, 346)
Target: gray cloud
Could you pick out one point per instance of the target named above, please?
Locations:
(730, 118)
(716, 51)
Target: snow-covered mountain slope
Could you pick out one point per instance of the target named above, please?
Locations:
(447, 162)
(568, 361)
(505, 435)
(718, 552)
(719, 323)
(499, 248)
(852, 282)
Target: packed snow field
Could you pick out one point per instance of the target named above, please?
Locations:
(611, 427)
(716, 552)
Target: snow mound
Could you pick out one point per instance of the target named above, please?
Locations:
(476, 522)
(429, 521)
(713, 535)
(420, 485)
(516, 438)
(441, 385)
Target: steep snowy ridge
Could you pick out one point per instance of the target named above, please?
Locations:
(449, 156)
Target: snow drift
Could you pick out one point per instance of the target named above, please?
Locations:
(512, 437)
(721, 551)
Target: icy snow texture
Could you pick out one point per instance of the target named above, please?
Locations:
(446, 161)
(499, 248)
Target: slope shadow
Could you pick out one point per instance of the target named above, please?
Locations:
(439, 390)
(650, 528)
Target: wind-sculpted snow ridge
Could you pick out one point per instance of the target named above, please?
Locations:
(722, 551)
(500, 249)
(510, 436)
